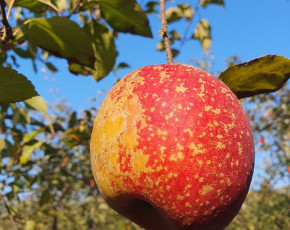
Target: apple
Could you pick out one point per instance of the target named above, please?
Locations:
(172, 148)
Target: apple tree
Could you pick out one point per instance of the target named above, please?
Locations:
(45, 174)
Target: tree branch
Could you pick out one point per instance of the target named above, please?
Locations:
(164, 32)
(9, 212)
(7, 32)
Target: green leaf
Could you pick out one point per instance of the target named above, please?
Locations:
(60, 4)
(35, 6)
(37, 103)
(160, 46)
(61, 37)
(14, 87)
(173, 14)
(51, 67)
(3, 57)
(27, 151)
(122, 65)
(204, 3)
(176, 13)
(151, 7)
(105, 49)
(174, 35)
(187, 11)
(175, 52)
(125, 16)
(2, 144)
(72, 120)
(29, 136)
(202, 33)
(261, 75)
(78, 69)
(30, 225)
(23, 53)
(86, 5)
(75, 136)
(45, 197)
(20, 115)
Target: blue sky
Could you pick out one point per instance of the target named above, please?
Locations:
(248, 28)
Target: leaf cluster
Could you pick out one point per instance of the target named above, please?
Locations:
(81, 31)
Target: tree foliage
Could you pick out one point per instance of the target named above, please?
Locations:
(45, 176)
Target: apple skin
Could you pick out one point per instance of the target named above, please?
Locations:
(172, 148)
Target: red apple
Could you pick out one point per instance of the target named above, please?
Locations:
(172, 148)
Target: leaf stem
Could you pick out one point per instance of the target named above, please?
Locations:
(164, 32)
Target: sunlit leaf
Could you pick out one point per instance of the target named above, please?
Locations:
(14, 87)
(61, 37)
(79, 69)
(173, 34)
(187, 11)
(37, 103)
(20, 115)
(204, 3)
(27, 151)
(30, 225)
(173, 14)
(2, 144)
(160, 46)
(29, 136)
(261, 75)
(203, 34)
(35, 6)
(60, 4)
(125, 16)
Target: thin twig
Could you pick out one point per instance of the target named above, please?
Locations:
(75, 9)
(50, 5)
(10, 8)
(9, 212)
(164, 32)
(197, 6)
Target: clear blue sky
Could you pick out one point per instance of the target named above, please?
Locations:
(248, 28)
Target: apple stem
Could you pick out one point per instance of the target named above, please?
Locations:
(164, 32)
